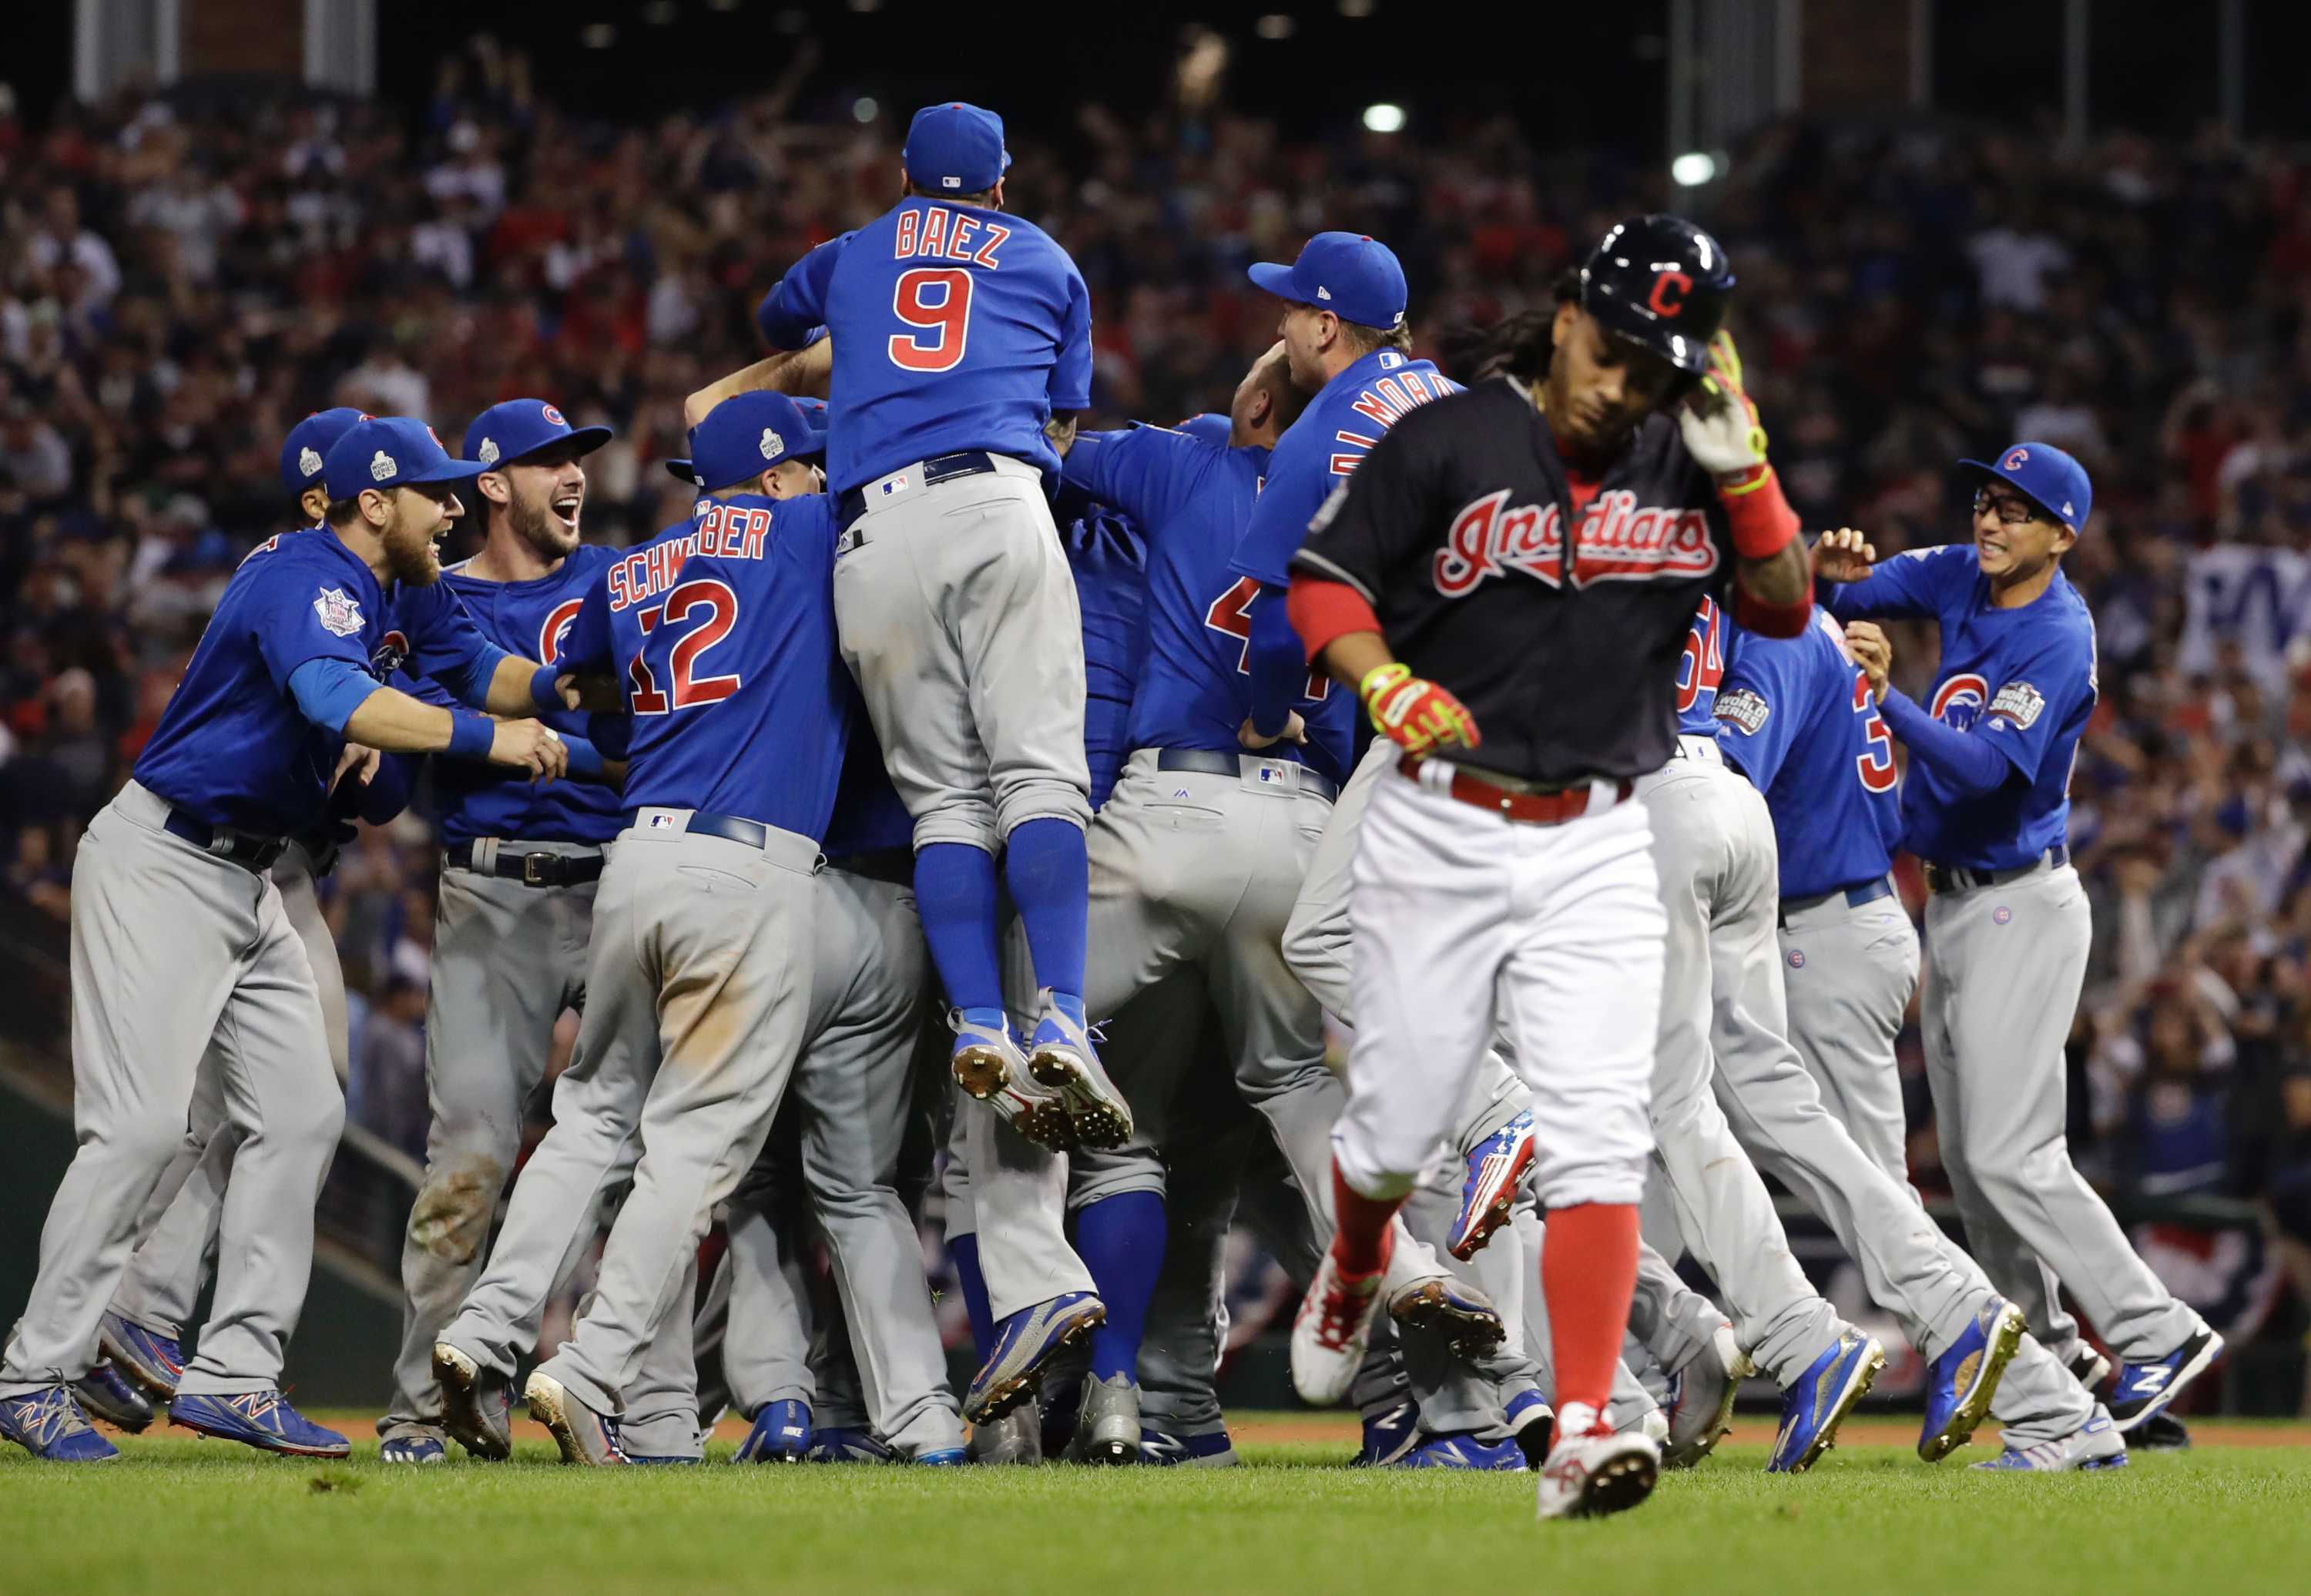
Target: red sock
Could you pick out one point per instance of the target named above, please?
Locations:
(1362, 1243)
(1588, 1272)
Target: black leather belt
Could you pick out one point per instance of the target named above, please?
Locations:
(1854, 896)
(245, 848)
(754, 833)
(1946, 878)
(970, 462)
(531, 869)
(1211, 762)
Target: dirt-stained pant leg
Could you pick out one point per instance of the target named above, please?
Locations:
(507, 959)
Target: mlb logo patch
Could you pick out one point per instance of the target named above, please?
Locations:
(662, 822)
(891, 485)
(340, 613)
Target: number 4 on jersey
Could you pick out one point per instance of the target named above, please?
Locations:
(1231, 615)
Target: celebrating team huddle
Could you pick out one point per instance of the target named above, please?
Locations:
(959, 790)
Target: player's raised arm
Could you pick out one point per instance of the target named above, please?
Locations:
(1772, 581)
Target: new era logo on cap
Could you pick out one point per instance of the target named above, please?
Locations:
(1323, 292)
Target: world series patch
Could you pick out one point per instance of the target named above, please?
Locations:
(2019, 702)
(1745, 709)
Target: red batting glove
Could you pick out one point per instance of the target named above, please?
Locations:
(1419, 716)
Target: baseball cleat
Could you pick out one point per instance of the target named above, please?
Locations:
(1455, 1310)
(1465, 1451)
(476, 1403)
(1592, 1471)
(586, 1437)
(841, 1443)
(259, 1418)
(991, 1068)
(1961, 1381)
(2144, 1389)
(1061, 1057)
(1015, 1440)
(1331, 1330)
(653, 1459)
(1819, 1400)
(781, 1434)
(152, 1360)
(1700, 1405)
(1107, 1425)
(418, 1446)
(941, 1457)
(2095, 1444)
(1389, 1435)
(1532, 1425)
(1024, 1342)
(113, 1398)
(1162, 1448)
(1496, 1168)
(2089, 1368)
(2162, 1432)
(49, 1424)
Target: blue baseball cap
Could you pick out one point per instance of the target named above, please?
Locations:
(954, 148)
(745, 436)
(504, 434)
(1211, 426)
(1355, 276)
(2046, 477)
(308, 445)
(391, 451)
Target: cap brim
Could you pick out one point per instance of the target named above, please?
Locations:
(1276, 279)
(1648, 334)
(447, 471)
(683, 470)
(588, 438)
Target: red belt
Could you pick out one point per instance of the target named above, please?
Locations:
(1534, 808)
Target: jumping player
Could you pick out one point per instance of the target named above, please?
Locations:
(1503, 865)
(959, 335)
(1987, 806)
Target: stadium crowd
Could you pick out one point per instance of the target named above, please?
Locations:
(179, 284)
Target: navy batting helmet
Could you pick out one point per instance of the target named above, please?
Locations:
(1660, 282)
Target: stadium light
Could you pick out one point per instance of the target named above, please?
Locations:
(1693, 168)
(1385, 118)
(598, 36)
(863, 108)
(1274, 25)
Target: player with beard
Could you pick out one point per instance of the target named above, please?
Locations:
(518, 867)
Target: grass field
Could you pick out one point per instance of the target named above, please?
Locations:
(2233, 1516)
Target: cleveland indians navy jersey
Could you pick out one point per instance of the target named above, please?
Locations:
(721, 632)
(1796, 716)
(530, 619)
(1316, 453)
(1562, 633)
(955, 327)
(1194, 500)
(232, 747)
(2023, 679)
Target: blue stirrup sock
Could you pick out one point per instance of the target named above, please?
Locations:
(1050, 876)
(1120, 1240)
(954, 894)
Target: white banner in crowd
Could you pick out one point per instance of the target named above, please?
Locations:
(2257, 597)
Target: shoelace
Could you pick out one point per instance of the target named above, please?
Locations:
(48, 1417)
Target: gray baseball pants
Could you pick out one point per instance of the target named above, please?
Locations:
(172, 946)
(698, 999)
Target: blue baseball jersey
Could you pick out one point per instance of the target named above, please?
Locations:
(1195, 499)
(1109, 560)
(531, 619)
(232, 748)
(955, 327)
(721, 630)
(869, 815)
(1700, 670)
(2023, 679)
(1796, 716)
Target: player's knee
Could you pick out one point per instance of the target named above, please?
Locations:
(144, 1140)
(1042, 795)
(963, 819)
(1119, 1175)
(450, 1219)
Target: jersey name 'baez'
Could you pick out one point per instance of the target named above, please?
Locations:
(1492, 579)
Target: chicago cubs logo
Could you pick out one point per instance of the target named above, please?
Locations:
(553, 416)
(391, 653)
(1960, 700)
(1667, 297)
(2013, 460)
(555, 631)
(2002, 914)
(1797, 958)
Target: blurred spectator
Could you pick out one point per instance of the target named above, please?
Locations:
(386, 1093)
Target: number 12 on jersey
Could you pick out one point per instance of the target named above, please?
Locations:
(704, 612)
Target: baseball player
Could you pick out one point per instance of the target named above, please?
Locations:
(1502, 864)
(1795, 716)
(518, 868)
(178, 935)
(721, 633)
(1987, 806)
(142, 1334)
(960, 334)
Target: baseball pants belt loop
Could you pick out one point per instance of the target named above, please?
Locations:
(1538, 806)
(1693, 745)
(788, 850)
(493, 856)
(893, 485)
(245, 848)
(1852, 897)
(1252, 768)
(1947, 878)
